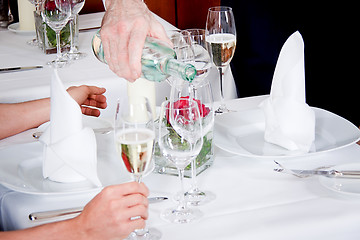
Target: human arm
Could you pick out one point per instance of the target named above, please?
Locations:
(125, 25)
(107, 216)
(18, 117)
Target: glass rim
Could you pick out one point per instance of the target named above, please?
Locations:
(219, 9)
(167, 104)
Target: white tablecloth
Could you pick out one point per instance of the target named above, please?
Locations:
(253, 201)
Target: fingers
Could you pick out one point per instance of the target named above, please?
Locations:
(115, 212)
(94, 98)
(123, 34)
(159, 32)
(90, 111)
(136, 45)
(126, 189)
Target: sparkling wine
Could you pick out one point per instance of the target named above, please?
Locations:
(158, 61)
(222, 48)
(135, 147)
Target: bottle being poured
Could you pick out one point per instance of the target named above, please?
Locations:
(158, 60)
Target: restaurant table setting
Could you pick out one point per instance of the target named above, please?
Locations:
(256, 172)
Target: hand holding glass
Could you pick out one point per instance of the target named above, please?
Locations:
(134, 140)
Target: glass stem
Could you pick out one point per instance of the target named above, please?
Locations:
(182, 203)
(193, 175)
(222, 103)
(143, 231)
(58, 47)
(71, 34)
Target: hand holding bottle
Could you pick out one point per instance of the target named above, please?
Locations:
(124, 28)
(158, 60)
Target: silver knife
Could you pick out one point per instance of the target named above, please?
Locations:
(17, 69)
(72, 212)
(326, 173)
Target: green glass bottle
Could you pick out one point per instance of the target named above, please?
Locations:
(158, 61)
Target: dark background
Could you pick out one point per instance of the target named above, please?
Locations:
(330, 33)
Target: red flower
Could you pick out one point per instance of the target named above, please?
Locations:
(50, 5)
(183, 102)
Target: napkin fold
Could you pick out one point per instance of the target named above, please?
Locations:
(289, 121)
(70, 153)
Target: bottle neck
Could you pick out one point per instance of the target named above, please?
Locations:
(176, 68)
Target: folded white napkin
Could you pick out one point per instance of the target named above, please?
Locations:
(70, 153)
(289, 121)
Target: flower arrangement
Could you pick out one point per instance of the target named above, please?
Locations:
(205, 157)
(47, 35)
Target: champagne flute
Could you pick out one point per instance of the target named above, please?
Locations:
(74, 53)
(202, 95)
(134, 140)
(180, 140)
(56, 14)
(221, 39)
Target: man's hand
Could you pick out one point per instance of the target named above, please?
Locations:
(125, 26)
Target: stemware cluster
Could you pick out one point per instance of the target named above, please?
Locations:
(184, 120)
(57, 14)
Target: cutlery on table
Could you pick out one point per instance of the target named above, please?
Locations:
(18, 69)
(106, 130)
(51, 215)
(89, 29)
(332, 173)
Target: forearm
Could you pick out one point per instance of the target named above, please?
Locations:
(18, 117)
(52, 231)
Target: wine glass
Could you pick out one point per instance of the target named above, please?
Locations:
(74, 53)
(183, 49)
(202, 95)
(56, 14)
(202, 60)
(221, 39)
(180, 140)
(134, 140)
(35, 41)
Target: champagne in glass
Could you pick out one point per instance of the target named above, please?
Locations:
(135, 149)
(221, 39)
(134, 140)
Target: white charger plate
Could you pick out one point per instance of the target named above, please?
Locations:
(15, 27)
(242, 133)
(343, 185)
(21, 166)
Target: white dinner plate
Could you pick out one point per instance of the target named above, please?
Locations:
(342, 185)
(242, 133)
(21, 167)
(15, 27)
